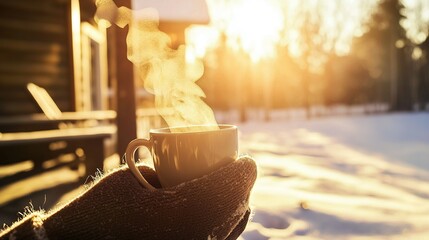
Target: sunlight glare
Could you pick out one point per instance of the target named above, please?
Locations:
(199, 39)
(416, 21)
(308, 29)
(251, 26)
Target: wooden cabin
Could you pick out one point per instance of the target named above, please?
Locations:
(39, 43)
(55, 47)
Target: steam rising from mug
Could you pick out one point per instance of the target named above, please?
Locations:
(164, 70)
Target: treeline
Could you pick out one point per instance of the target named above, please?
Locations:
(383, 66)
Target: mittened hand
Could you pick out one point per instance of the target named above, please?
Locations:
(214, 206)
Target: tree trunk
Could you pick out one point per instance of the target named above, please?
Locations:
(401, 92)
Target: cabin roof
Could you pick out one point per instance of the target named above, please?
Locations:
(194, 11)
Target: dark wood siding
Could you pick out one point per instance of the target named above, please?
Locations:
(34, 47)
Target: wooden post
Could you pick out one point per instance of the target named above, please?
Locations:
(123, 77)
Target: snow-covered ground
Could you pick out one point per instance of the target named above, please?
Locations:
(360, 177)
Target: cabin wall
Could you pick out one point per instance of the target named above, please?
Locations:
(35, 47)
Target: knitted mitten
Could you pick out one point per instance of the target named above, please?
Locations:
(214, 206)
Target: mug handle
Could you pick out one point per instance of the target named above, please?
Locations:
(129, 157)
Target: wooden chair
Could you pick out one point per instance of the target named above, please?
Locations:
(72, 135)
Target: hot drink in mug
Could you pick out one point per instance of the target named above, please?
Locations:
(182, 156)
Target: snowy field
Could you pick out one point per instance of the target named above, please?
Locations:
(343, 177)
